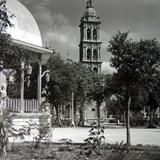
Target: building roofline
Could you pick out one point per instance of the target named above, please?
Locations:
(32, 47)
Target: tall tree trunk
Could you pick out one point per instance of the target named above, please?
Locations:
(81, 113)
(3, 141)
(75, 111)
(150, 120)
(124, 118)
(59, 123)
(128, 123)
(98, 114)
(3, 133)
(72, 111)
(52, 114)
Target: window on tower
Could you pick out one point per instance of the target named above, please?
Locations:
(89, 53)
(95, 54)
(88, 33)
(95, 34)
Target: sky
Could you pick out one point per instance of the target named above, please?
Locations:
(59, 21)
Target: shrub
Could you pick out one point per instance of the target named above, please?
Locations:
(94, 141)
(44, 133)
(5, 123)
(7, 129)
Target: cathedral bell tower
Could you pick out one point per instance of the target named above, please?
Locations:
(90, 45)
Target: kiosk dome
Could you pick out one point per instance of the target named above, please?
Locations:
(25, 28)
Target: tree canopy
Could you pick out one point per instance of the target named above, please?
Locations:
(137, 65)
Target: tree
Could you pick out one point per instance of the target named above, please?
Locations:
(77, 87)
(4, 17)
(63, 82)
(87, 86)
(82, 82)
(97, 92)
(4, 41)
(69, 78)
(149, 74)
(113, 97)
(137, 65)
(125, 60)
(58, 86)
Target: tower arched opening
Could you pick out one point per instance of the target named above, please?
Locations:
(95, 54)
(89, 56)
(88, 33)
(95, 34)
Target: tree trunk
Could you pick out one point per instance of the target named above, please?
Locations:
(52, 114)
(128, 123)
(75, 111)
(117, 118)
(81, 113)
(73, 118)
(3, 135)
(124, 118)
(98, 114)
(59, 123)
(151, 119)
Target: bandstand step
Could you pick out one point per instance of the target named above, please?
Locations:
(23, 119)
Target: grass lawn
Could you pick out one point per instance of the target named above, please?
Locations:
(26, 151)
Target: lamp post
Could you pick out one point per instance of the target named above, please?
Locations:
(29, 72)
(72, 102)
(47, 79)
(47, 76)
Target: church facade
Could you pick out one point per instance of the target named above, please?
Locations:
(90, 55)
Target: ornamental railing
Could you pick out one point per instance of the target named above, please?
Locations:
(14, 105)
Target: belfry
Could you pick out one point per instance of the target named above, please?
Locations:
(90, 44)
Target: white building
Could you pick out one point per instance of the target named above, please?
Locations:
(25, 34)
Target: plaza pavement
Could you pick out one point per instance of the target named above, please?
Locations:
(78, 134)
(138, 136)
